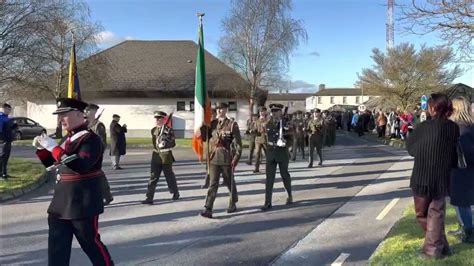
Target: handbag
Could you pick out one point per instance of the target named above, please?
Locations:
(461, 159)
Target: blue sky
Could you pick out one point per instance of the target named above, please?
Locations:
(341, 33)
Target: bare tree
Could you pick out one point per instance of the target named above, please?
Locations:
(403, 75)
(259, 38)
(452, 19)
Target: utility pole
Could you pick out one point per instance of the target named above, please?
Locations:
(389, 26)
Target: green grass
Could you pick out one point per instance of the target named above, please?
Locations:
(402, 245)
(23, 173)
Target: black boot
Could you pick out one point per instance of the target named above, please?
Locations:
(266, 206)
(232, 208)
(206, 213)
(289, 200)
(468, 236)
(175, 196)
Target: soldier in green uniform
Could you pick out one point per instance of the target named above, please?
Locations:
(277, 154)
(261, 138)
(315, 131)
(329, 125)
(298, 125)
(307, 118)
(223, 136)
(251, 134)
(162, 159)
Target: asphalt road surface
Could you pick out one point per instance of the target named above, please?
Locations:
(342, 211)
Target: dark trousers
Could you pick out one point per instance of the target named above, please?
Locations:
(156, 169)
(258, 158)
(215, 174)
(104, 183)
(465, 216)
(298, 144)
(86, 233)
(382, 130)
(270, 170)
(430, 214)
(315, 142)
(4, 156)
(251, 148)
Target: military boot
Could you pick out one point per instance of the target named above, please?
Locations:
(267, 206)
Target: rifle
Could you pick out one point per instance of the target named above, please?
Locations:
(165, 123)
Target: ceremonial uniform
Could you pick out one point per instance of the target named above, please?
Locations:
(315, 131)
(298, 125)
(222, 135)
(251, 134)
(77, 200)
(277, 155)
(260, 141)
(162, 159)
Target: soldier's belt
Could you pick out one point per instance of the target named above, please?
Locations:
(74, 177)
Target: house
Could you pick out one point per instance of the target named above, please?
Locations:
(325, 98)
(136, 78)
(294, 101)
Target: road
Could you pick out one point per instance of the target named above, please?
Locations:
(335, 212)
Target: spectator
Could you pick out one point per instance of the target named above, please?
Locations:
(433, 144)
(381, 124)
(462, 180)
(404, 124)
(117, 141)
(6, 137)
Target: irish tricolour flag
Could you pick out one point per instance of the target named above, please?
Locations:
(202, 105)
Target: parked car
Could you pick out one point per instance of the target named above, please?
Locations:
(27, 128)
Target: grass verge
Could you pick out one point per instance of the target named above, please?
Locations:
(23, 173)
(402, 245)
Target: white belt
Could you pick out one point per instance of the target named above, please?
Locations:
(163, 150)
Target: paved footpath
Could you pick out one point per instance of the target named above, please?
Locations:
(340, 213)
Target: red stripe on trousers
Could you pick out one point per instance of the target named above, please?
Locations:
(99, 244)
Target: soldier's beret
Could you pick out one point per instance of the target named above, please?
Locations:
(298, 112)
(276, 106)
(159, 114)
(115, 116)
(92, 106)
(222, 105)
(316, 110)
(68, 104)
(6, 105)
(263, 108)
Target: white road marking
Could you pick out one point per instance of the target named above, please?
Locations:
(387, 209)
(340, 260)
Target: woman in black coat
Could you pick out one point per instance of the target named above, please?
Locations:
(117, 141)
(433, 144)
(462, 180)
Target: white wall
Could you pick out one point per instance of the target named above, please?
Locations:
(137, 113)
(350, 100)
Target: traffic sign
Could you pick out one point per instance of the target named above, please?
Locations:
(424, 98)
(424, 104)
(361, 108)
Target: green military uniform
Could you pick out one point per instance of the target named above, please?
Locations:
(162, 159)
(329, 126)
(298, 125)
(315, 131)
(224, 136)
(260, 141)
(251, 134)
(277, 155)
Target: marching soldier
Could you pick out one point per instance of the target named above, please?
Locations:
(261, 138)
(298, 134)
(251, 134)
(99, 129)
(329, 127)
(307, 118)
(315, 131)
(277, 154)
(77, 200)
(162, 159)
(222, 135)
(204, 133)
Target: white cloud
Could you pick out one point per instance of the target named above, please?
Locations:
(108, 38)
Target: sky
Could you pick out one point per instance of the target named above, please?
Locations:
(341, 33)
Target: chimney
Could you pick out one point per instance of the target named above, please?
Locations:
(322, 87)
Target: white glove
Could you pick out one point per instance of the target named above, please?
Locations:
(47, 142)
(36, 143)
(161, 145)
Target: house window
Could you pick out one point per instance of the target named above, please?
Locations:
(332, 99)
(181, 106)
(320, 100)
(357, 99)
(191, 106)
(232, 106)
(344, 100)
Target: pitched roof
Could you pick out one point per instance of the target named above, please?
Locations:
(339, 92)
(288, 97)
(155, 69)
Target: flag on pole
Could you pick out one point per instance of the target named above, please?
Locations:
(202, 105)
(73, 90)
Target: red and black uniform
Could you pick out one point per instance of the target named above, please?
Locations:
(77, 200)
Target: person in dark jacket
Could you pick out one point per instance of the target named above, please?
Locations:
(433, 144)
(462, 180)
(6, 137)
(117, 141)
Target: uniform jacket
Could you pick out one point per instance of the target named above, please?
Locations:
(168, 138)
(224, 137)
(117, 139)
(261, 130)
(99, 129)
(251, 129)
(77, 194)
(299, 128)
(275, 153)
